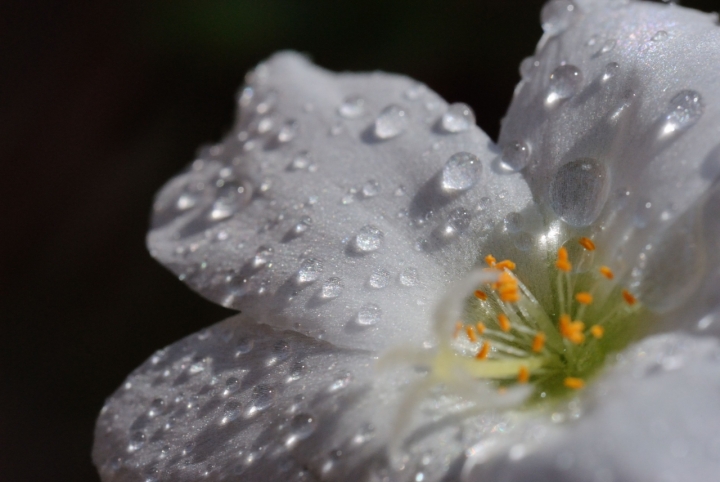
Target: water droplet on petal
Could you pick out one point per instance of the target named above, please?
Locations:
(409, 277)
(368, 239)
(391, 122)
(513, 222)
(370, 314)
(610, 71)
(302, 226)
(262, 257)
(659, 36)
(230, 199)
(458, 118)
(515, 156)
(186, 201)
(302, 426)
(414, 92)
(371, 188)
(379, 279)
(457, 222)
(579, 191)
(557, 15)
(528, 66)
(309, 272)
(352, 107)
(137, 440)
(288, 131)
(332, 288)
(565, 81)
(263, 397)
(607, 47)
(342, 381)
(461, 172)
(243, 346)
(232, 385)
(684, 110)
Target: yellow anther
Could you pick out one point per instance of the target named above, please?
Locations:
(538, 342)
(504, 322)
(606, 272)
(574, 383)
(597, 331)
(584, 298)
(470, 331)
(458, 328)
(628, 297)
(587, 244)
(562, 262)
(484, 351)
(480, 327)
(523, 374)
(490, 260)
(505, 264)
(481, 295)
(572, 330)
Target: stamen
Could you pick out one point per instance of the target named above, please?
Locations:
(574, 383)
(506, 264)
(504, 322)
(523, 374)
(481, 295)
(587, 244)
(606, 272)
(584, 298)
(458, 328)
(572, 330)
(628, 297)
(597, 331)
(562, 262)
(490, 260)
(484, 351)
(471, 333)
(538, 342)
(480, 327)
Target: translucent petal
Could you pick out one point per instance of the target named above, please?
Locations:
(654, 416)
(361, 181)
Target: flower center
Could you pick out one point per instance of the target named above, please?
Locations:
(506, 335)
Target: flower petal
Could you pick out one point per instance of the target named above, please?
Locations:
(330, 205)
(654, 416)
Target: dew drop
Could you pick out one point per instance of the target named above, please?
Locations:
(186, 201)
(281, 351)
(302, 426)
(232, 385)
(231, 412)
(391, 122)
(264, 126)
(461, 172)
(230, 199)
(457, 222)
(137, 441)
(288, 131)
(352, 107)
(262, 257)
(528, 66)
(303, 226)
(513, 222)
(414, 92)
(515, 156)
(610, 71)
(370, 314)
(263, 397)
(342, 381)
(371, 188)
(557, 15)
(309, 272)
(300, 162)
(243, 346)
(659, 36)
(379, 279)
(458, 118)
(565, 81)
(579, 191)
(409, 277)
(332, 288)
(684, 110)
(368, 239)
(156, 407)
(607, 47)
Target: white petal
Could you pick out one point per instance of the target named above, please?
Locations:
(653, 417)
(340, 176)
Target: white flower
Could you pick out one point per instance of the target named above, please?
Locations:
(349, 217)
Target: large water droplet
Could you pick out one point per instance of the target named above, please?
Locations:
(409, 277)
(231, 198)
(309, 272)
(515, 156)
(368, 239)
(186, 201)
(379, 279)
(557, 15)
(684, 110)
(263, 397)
(461, 172)
(391, 122)
(565, 81)
(457, 222)
(332, 288)
(288, 131)
(301, 427)
(352, 107)
(579, 191)
(458, 118)
(370, 314)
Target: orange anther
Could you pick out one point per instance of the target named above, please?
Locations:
(458, 328)
(506, 278)
(504, 322)
(505, 264)
(606, 272)
(563, 254)
(563, 265)
(538, 342)
(470, 331)
(481, 295)
(574, 383)
(587, 244)
(480, 327)
(490, 260)
(523, 374)
(584, 298)
(597, 331)
(484, 351)
(513, 297)
(628, 297)
(572, 330)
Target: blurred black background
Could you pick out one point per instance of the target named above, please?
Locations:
(100, 103)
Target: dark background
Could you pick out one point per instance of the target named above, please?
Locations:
(101, 103)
